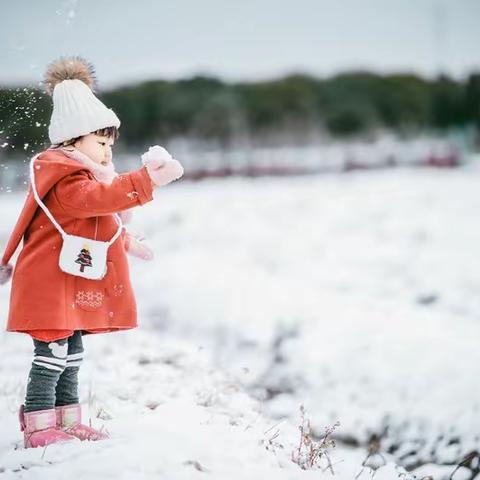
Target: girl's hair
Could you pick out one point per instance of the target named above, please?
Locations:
(104, 132)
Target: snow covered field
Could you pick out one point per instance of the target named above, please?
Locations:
(356, 295)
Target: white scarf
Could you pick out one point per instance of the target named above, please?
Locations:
(104, 174)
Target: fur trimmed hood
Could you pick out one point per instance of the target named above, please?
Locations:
(104, 174)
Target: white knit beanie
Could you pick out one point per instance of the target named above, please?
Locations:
(76, 110)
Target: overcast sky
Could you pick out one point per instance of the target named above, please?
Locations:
(130, 40)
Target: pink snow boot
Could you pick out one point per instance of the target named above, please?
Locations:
(69, 419)
(39, 428)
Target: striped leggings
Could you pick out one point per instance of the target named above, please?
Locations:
(53, 377)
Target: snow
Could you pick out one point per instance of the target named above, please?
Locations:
(355, 295)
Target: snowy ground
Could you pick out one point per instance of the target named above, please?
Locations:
(355, 295)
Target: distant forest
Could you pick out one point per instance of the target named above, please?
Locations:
(203, 107)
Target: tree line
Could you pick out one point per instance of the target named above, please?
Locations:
(203, 107)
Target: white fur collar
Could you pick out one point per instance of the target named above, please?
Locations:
(104, 174)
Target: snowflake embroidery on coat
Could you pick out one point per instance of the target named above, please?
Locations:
(89, 298)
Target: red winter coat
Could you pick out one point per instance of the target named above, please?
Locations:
(46, 302)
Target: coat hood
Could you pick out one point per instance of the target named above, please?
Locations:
(50, 167)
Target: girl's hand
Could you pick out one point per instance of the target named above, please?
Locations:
(126, 216)
(5, 273)
(136, 248)
(160, 165)
(156, 155)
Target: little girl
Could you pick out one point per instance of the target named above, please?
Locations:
(75, 183)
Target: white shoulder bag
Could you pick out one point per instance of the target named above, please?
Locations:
(80, 256)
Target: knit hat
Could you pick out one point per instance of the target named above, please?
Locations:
(76, 110)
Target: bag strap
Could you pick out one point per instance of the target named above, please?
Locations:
(50, 216)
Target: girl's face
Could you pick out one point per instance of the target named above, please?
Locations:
(97, 147)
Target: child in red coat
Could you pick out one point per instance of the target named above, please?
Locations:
(75, 184)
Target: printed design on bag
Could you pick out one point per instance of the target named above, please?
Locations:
(89, 298)
(84, 258)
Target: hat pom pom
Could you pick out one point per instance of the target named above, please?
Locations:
(5, 273)
(69, 68)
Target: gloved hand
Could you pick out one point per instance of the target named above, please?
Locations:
(126, 215)
(134, 246)
(5, 273)
(161, 167)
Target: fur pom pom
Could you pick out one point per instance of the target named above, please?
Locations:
(5, 273)
(69, 68)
